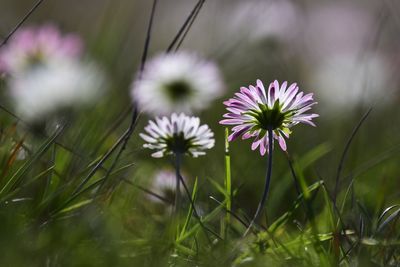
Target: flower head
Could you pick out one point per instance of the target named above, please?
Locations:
(164, 185)
(53, 87)
(46, 72)
(178, 134)
(177, 82)
(34, 45)
(255, 111)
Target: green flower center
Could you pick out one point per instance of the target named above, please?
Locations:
(36, 59)
(177, 90)
(178, 143)
(268, 118)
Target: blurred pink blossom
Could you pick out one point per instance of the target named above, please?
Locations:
(37, 43)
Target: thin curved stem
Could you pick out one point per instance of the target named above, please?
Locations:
(267, 182)
(344, 154)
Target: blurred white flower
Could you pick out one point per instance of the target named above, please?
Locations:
(54, 86)
(177, 82)
(164, 185)
(345, 80)
(46, 72)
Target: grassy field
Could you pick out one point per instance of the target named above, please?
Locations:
(81, 190)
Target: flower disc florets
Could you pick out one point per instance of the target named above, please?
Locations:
(178, 134)
(255, 111)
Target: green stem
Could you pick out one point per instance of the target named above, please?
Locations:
(228, 184)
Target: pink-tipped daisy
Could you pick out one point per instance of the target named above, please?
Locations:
(46, 73)
(179, 134)
(254, 111)
(32, 46)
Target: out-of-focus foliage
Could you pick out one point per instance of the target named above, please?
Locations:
(346, 52)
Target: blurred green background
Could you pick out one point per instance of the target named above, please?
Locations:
(346, 52)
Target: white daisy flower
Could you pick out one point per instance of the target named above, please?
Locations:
(177, 82)
(54, 86)
(178, 134)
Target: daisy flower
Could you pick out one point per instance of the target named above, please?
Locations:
(33, 45)
(177, 82)
(255, 111)
(53, 87)
(164, 185)
(46, 72)
(179, 134)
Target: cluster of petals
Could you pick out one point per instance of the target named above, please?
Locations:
(40, 43)
(46, 72)
(164, 185)
(178, 134)
(254, 111)
(177, 82)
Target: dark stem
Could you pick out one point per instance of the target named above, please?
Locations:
(30, 12)
(123, 140)
(178, 161)
(185, 24)
(267, 182)
(189, 26)
(148, 37)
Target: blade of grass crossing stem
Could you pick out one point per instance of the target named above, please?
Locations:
(18, 176)
(228, 183)
(190, 211)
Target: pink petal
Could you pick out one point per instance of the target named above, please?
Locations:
(282, 143)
